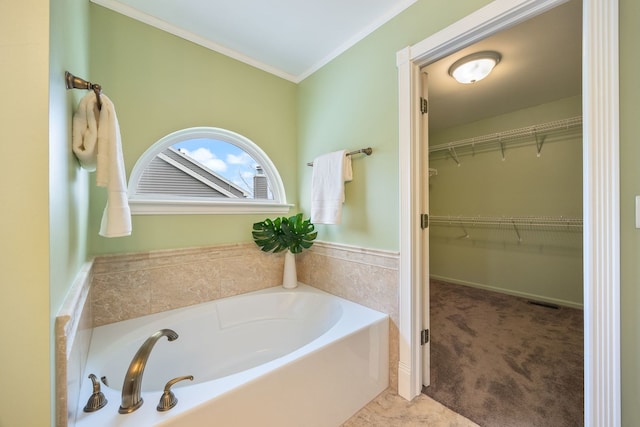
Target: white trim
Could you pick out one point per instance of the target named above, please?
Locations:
(382, 253)
(601, 188)
(68, 317)
(140, 206)
(601, 206)
(494, 17)
(149, 204)
(409, 293)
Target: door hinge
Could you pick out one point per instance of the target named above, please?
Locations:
(424, 105)
(424, 221)
(424, 337)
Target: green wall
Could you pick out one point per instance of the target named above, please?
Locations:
(629, 188)
(45, 199)
(161, 83)
(68, 184)
(546, 264)
(353, 103)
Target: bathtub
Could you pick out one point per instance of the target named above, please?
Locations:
(276, 357)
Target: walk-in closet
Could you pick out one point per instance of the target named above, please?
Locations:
(506, 208)
(505, 231)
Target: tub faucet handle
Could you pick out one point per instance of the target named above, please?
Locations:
(96, 400)
(168, 400)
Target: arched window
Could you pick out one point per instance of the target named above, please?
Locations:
(205, 170)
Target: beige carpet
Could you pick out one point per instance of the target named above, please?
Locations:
(503, 362)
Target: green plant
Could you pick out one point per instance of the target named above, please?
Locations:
(293, 233)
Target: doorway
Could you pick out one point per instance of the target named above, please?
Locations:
(600, 192)
(505, 208)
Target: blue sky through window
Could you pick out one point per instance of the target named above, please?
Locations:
(226, 159)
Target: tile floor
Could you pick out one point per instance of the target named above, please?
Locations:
(390, 410)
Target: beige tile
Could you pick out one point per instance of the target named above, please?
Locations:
(126, 286)
(394, 355)
(182, 285)
(389, 410)
(251, 271)
(120, 296)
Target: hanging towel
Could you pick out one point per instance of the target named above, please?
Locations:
(98, 146)
(330, 172)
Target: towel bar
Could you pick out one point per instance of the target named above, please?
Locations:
(366, 151)
(74, 82)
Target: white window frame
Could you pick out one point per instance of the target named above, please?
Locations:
(146, 204)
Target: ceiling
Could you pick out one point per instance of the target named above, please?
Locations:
(541, 62)
(288, 38)
(541, 58)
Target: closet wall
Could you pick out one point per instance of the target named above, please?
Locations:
(540, 262)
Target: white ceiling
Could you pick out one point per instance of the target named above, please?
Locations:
(289, 38)
(541, 62)
(541, 58)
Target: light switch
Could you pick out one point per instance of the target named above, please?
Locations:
(637, 211)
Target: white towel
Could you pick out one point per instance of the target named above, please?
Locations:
(330, 172)
(98, 146)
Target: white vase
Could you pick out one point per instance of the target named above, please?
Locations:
(289, 278)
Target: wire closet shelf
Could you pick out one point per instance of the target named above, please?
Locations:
(538, 132)
(523, 221)
(514, 223)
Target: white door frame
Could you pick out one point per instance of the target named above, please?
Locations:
(601, 191)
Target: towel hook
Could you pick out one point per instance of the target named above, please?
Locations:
(73, 82)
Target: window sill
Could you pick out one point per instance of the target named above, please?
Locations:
(195, 207)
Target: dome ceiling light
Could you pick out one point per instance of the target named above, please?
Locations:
(475, 67)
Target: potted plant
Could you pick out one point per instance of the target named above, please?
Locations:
(292, 235)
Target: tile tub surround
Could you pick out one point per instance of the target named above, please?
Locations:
(127, 286)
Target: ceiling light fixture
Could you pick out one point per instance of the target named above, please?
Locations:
(475, 67)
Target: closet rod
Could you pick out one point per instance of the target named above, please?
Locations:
(528, 131)
(532, 221)
(366, 151)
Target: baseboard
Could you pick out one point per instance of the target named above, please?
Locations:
(404, 381)
(526, 295)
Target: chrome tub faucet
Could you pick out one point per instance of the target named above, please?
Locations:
(131, 388)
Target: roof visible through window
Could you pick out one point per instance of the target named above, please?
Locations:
(205, 167)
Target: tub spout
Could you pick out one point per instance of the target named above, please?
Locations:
(131, 394)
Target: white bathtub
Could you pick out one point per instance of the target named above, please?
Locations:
(275, 357)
